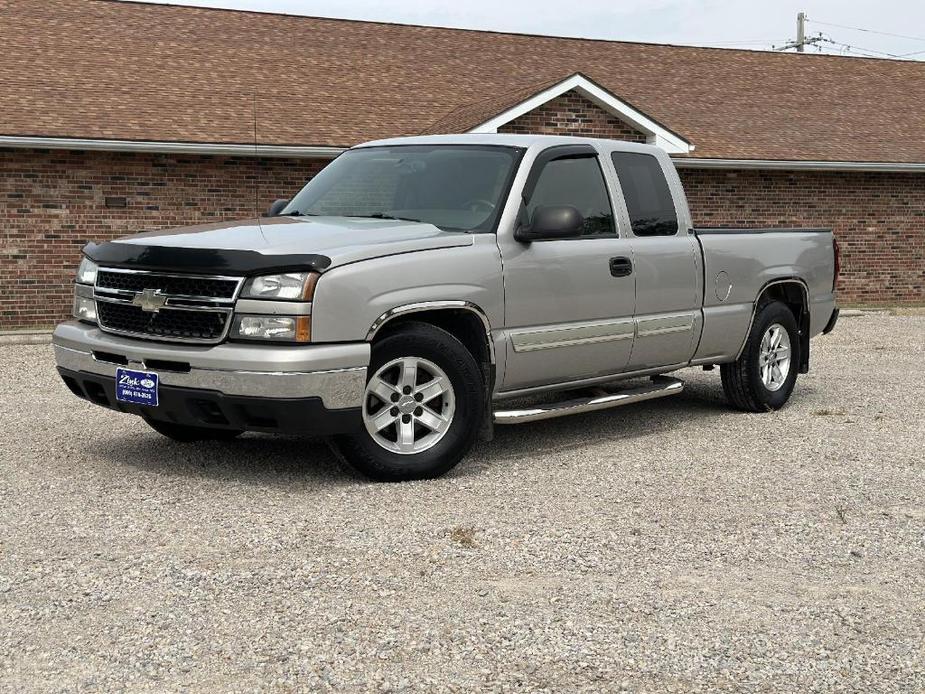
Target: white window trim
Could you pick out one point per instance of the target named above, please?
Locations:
(310, 152)
(798, 165)
(655, 133)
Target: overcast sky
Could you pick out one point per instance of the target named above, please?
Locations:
(741, 24)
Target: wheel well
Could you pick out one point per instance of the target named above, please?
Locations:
(469, 328)
(466, 326)
(792, 293)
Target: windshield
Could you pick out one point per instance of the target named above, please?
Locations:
(453, 187)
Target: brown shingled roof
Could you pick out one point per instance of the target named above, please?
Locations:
(469, 115)
(103, 69)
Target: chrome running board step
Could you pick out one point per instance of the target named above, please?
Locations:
(661, 386)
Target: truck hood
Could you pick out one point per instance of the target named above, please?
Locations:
(277, 243)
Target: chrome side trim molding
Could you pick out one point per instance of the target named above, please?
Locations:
(664, 325)
(665, 331)
(659, 388)
(419, 306)
(572, 335)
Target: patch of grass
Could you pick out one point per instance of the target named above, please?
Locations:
(825, 412)
(842, 513)
(464, 536)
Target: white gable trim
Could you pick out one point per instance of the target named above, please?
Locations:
(655, 133)
(798, 165)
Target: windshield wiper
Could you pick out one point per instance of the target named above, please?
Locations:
(382, 215)
(296, 213)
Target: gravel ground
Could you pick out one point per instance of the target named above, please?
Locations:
(673, 545)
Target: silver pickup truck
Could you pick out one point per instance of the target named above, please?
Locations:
(419, 291)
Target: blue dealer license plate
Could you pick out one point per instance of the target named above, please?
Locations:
(138, 387)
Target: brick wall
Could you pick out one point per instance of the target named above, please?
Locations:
(53, 202)
(572, 114)
(878, 218)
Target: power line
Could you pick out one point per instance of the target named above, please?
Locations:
(845, 49)
(850, 46)
(869, 31)
(817, 40)
(870, 52)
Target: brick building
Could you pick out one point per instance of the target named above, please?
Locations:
(121, 117)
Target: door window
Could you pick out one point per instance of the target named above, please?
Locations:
(579, 182)
(648, 197)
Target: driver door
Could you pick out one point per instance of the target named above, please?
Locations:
(569, 302)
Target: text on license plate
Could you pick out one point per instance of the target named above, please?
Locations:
(138, 387)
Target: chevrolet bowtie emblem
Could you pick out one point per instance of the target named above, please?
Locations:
(150, 300)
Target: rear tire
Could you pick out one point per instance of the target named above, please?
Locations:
(187, 434)
(763, 376)
(423, 407)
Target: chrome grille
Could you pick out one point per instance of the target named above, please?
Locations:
(189, 286)
(188, 308)
(179, 325)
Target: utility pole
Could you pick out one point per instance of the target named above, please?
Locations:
(801, 42)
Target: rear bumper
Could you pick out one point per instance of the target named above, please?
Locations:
(312, 389)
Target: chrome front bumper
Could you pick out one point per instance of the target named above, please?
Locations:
(334, 373)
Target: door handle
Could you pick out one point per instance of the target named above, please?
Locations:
(621, 266)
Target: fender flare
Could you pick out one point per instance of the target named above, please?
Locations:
(802, 321)
(419, 306)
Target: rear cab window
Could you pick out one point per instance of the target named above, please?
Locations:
(648, 198)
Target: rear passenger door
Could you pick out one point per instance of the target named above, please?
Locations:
(666, 262)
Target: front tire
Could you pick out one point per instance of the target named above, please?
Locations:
(763, 376)
(423, 406)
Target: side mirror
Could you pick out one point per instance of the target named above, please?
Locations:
(552, 222)
(276, 208)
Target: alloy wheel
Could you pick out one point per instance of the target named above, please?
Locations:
(409, 405)
(774, 357)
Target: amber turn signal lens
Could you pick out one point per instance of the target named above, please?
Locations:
(308, 292)
(303, 329)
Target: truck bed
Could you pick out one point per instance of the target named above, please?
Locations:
(738, 263)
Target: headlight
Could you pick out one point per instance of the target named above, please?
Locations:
(281, 328)
(289, 286)
(86, 272)
(84, 309)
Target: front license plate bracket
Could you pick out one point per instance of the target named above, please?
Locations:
(137, 387)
